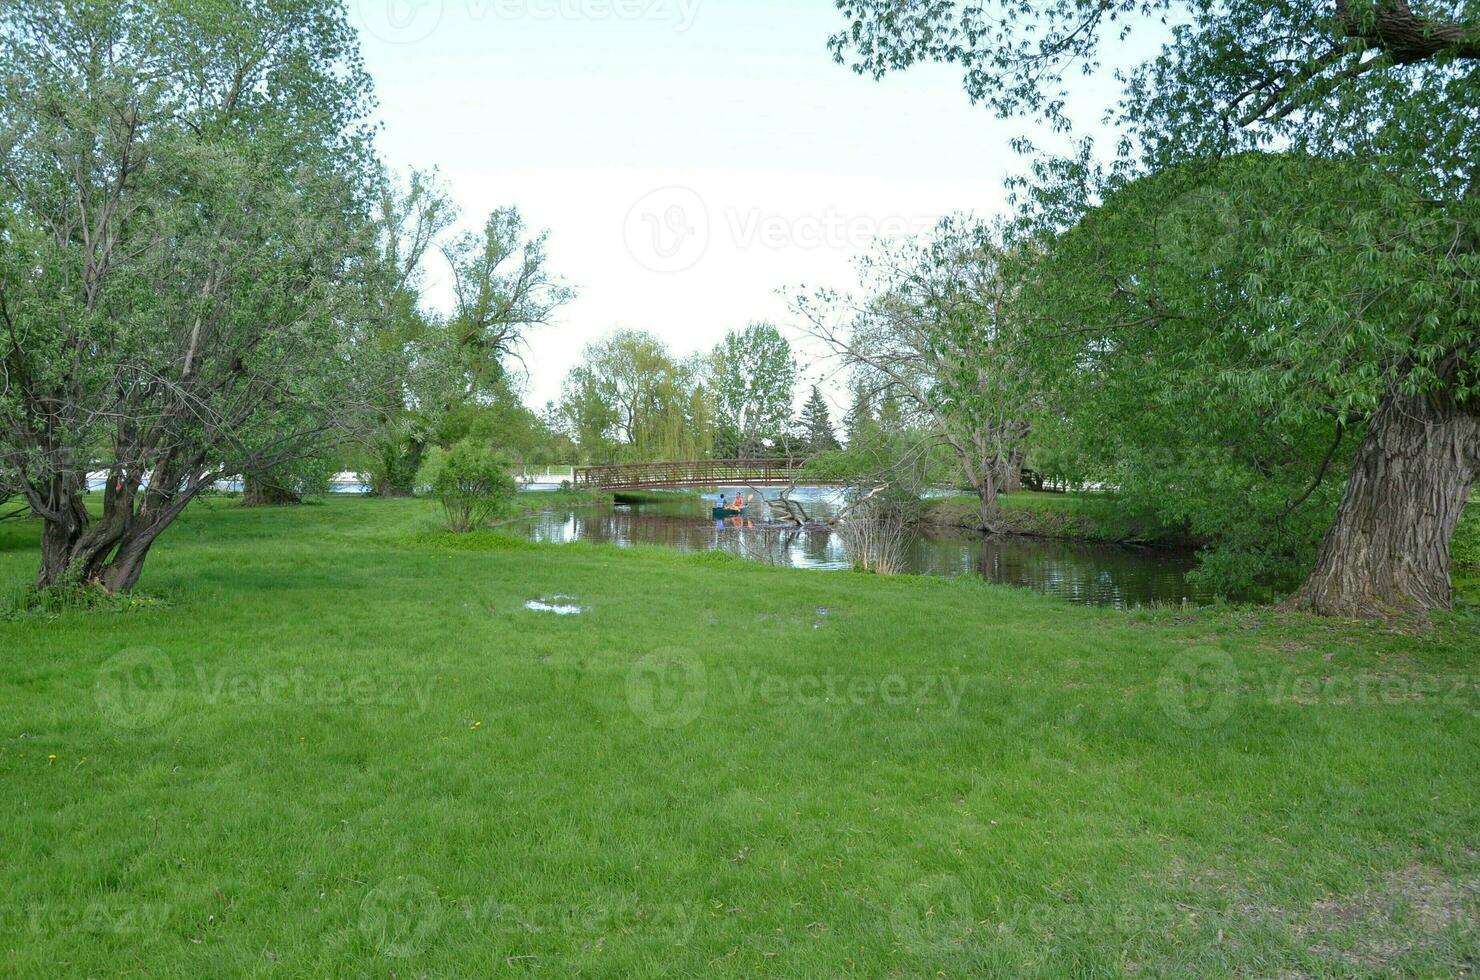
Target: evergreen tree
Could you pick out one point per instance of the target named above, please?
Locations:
(817, 427)
(861, 415)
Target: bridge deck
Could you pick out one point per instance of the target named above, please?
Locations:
(676, 474)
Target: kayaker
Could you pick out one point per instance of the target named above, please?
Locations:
(739, 503)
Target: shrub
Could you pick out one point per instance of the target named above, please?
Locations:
(473, 484)
(874, 536)
(1464, 550)
(425, 480)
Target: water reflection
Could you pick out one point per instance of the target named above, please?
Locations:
(1101, 575)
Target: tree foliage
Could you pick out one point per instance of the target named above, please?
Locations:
(933, 339)
(472, 483)
(1317, 168)
(631, 399)
(184, 224)
(752, 377)
(815, 425)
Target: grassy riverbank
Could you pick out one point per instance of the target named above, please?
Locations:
(1073, 516)
(331, 740)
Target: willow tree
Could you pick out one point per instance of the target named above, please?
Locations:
(182, 218)
(1389, 333)
(631, 399)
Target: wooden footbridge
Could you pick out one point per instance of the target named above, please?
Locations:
(758, 472)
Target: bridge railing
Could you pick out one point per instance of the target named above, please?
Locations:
(690, 473)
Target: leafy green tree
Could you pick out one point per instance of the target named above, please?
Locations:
(934, 334)
(1378, 316)
(185, 219)
(1190, 423)
(752, 376)
(631, 399)
(437, 377)
(404, 349)
(590, 417)
(816, 424)
(502, 421)
(503, 287)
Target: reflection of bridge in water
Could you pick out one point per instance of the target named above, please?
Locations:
(757, 472)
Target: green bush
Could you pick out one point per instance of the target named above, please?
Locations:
(1464, 550)
(425, 480)
(473, 484)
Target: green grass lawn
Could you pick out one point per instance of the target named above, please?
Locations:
(330, 741)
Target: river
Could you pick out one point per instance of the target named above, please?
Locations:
(1089, 574)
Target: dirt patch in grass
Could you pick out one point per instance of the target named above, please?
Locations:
(1415, 911)
(1413, 921)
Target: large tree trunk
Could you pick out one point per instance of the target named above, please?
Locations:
(990, 507)
(1011, 479)
(1387, 553)
(385, 488)
(257, 492)
(110, 551)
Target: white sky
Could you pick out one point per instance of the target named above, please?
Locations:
(690, 157)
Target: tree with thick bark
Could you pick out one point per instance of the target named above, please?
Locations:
(1390, 85)
(182, 220)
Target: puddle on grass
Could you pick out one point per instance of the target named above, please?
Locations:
(560, 605)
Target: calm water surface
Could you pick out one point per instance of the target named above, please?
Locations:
(1099, 575)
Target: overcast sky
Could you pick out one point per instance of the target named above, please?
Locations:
(690, 157)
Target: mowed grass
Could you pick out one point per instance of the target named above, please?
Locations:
(331, 741)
